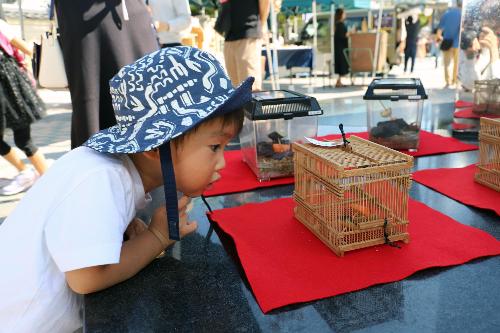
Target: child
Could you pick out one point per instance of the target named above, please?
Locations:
(19, 107)
(176, 111)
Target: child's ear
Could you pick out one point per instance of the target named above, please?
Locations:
(152, 154)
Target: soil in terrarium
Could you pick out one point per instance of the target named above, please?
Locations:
(275, 158)
(396, 134)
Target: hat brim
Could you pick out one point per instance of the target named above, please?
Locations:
(160, 128)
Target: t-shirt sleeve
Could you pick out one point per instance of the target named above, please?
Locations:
(182, 19)
(86, 227)
(443, 21)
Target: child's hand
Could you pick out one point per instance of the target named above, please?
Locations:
(136, 227)
(159, 220)
(488, 39)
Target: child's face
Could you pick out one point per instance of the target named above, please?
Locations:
(200, 157)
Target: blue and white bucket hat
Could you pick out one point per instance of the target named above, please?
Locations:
(162, 96)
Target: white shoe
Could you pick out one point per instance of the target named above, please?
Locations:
(5, 181)
(23, 181)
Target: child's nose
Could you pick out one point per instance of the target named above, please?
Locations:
(221, 162)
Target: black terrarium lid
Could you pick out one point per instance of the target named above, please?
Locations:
(281, 104)
(395, 89)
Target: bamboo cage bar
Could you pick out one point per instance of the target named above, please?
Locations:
(488, 167)
(352, 198)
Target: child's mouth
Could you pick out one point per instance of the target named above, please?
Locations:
(211, 184)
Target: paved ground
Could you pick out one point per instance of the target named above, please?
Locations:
(52, 133)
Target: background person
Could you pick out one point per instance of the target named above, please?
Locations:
(340, 42)
(172, 19)
(480, 58)
(20, 106)
(448, 34)
(412, 29)
(243, 40)
(97, 39)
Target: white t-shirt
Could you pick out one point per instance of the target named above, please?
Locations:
(178, 16)
(73, 217)
(477, 68)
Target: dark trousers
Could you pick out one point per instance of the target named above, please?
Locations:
(170, 45)
(410, 53)
(96, 42)
(22, 139)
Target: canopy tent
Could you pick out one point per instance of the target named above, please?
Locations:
(305, 6)
(310, 6)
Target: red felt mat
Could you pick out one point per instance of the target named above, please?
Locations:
(237, 176)
(459, 126)
(459, 184)
(463, 104)
(430, 144)
(468, 114)
(285, 263)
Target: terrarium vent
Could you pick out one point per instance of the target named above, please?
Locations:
(392, 92)
(285, 108)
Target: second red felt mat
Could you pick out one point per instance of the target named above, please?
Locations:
(285, 263)
(459, 184)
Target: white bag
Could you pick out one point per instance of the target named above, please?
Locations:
(51, 73)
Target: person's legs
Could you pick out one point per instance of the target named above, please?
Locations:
(13, 158)
(26, 176)
(413, 57)
(22, 138)
(454, 52)
(407, 57)
(230, 52)
(446, 62)
(339, 84)
(10, 155)
(248, 61)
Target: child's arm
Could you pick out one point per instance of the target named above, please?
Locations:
(135, 254)
(23, 46)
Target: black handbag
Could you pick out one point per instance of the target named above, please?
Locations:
(223, 22)
(446, 44)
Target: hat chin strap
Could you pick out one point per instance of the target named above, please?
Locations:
(167, 169)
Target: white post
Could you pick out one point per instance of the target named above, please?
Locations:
(315, 43)
(332, 40)
(21, 18)
(274, 34)
(377, 38)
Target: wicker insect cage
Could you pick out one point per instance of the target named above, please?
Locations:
(273, 120)
(353, 195)
(488, 167)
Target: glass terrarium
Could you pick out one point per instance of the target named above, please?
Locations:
(394, 114)
(487, 97)
(273, 120)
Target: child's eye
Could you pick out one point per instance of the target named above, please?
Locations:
(215, 147)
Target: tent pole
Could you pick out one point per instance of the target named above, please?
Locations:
(274, 34)
(21, 18)
(315, 44)
(377, 38)
(269, 58)
(332, 41)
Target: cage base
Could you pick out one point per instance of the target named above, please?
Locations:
(339, 250)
